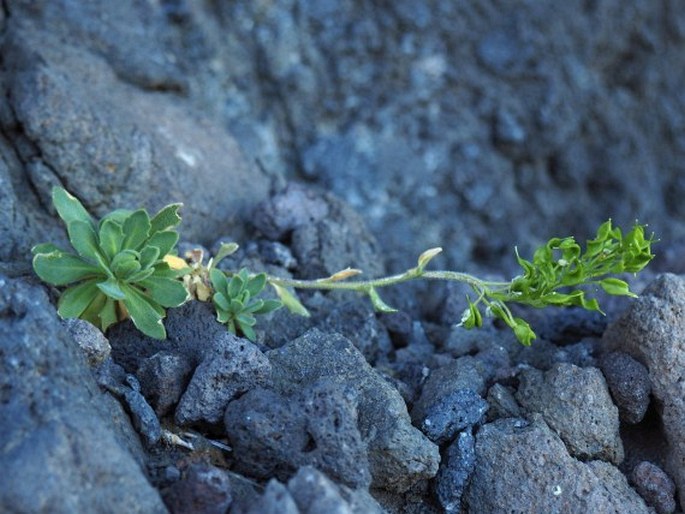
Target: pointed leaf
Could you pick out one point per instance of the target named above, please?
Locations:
(92, 312)
(427, 256)
(144, 315)
(247, 331)
(235, 286)
(256, 284)
(225, 250)
(165, 241)
(112, 289)
(221, 301)
(269, 306)
(166, 292)
(59, 268)
(136, 229)
(108, 314)
(290, 301)
(615, 286)
(219, 281)
(148, 256)
(166, 218)
(77, 298)
(378, 304)
(84, 240)
(111, 238)
(69, 208)
(523, 332)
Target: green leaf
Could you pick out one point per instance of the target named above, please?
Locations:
(69, 208)
(615, 286)
(247, 331)
(225, 250)
(290, 301)
(378, 304)
(111, 238)
(139, 276)
(256, 284)
(235, 306)
(59, 268)
(219, 281)
(148, 256)
(523, 332)
(426, 257)
(92, 312)
(165, 291)
(269, 306)
(136, 229)
(84, 240)
(246, 319)
(45, 248)
(235, 286)
(108, 314)
(221, 302)
(125, 263)
(166, 218)
(165, 241)
(112, 288)
(77, 298)
(144, 315)
(472, 317)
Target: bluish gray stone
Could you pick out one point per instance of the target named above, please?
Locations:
(455, 470)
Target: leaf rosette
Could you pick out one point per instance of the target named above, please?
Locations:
(118, 269)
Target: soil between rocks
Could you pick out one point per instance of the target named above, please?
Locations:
(321, 135)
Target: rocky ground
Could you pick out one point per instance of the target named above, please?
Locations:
(324, 134)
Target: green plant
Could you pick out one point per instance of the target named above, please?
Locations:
(119, 267)
(125, 266)
(558, 275)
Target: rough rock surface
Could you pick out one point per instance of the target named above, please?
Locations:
(655, 486)
(399, 455)
(272, 435)
(652, 330)
(455, 471)
(575, 402)
(628, 382)
(59, 446)
(203, 489)
(524, 468)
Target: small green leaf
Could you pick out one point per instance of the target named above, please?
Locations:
(378, 304)
(112, 289)
(253, 306)
(523, 332)
(84, 240)
(472, 317)
(165, 291)
(144, 314)
(427, 256)
(165, 241)
(136, 229)
(59, 268)
(615, 286)
(165, 219)
(290, 301)
(148, 256)
(219, 281)
(247, 331)
(139, 276)
(269, 306)
(111, 238)
(92, 312)
(69, 208)
(108, 314)
(45, 248)
(221, 302)
(125, 264)
(225, 250)
(75, 299)
(235, 286)
(223, 316)
(236, 306)
(246, 319)
(256, 284)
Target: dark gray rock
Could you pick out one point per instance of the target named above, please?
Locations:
(273, 435)
(455, 470)
(143, 417)
(315, 493)
(276, 499)
(451, 413)
(502, 403)
(399, 455)
(90, 339)
(451, 399)
(651, 330)
(655, 486)
(62, 453)
(357, 322)
(327, 236)
(163, 378)
(629, 384)
(575, 402)
(231, 367)
(523, 467)
(203, 489)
